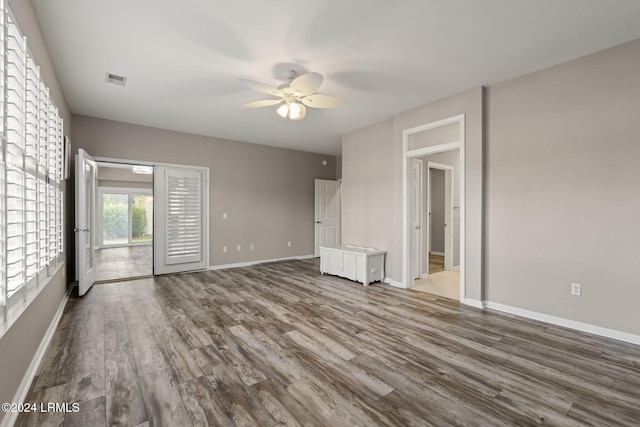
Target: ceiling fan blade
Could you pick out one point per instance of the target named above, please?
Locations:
(303, 112)
(263, 103)
(322, 101)
(261, 87)
(306, 84)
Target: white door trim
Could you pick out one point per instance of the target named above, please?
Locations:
(416, 212)
(406, 156)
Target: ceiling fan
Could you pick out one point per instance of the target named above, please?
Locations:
(300, 92)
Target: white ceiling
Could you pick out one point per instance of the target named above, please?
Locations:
(182, 59)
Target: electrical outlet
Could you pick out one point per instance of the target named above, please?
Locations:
(238, 248)
(289, 244)
(576, 289)
(224, 249)
(251, 247)
(224, 215)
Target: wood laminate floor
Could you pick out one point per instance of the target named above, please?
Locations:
(281, 344)
(436, 263)
(444, 283)
(124, 262)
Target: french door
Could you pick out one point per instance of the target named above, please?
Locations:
(181, 206)
(180, 219)
(86, 183)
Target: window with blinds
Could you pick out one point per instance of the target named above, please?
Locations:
(31, 164)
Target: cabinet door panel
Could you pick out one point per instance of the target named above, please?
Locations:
(336, 263)
(350, 266)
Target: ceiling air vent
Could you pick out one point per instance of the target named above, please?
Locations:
(116, 79)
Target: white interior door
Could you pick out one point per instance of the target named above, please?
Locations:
(86, 180)
(415, 206)
(327, 214)
(448, 218)
(181, 219)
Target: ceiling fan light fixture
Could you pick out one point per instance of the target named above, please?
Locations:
(295, 111)
(297, 96)
(283, 111)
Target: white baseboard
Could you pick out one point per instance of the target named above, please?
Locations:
(263, 261)
(571, 324)
(473, 303)
(393, 283)
(21, 394)
(456, 267)
(436, 253)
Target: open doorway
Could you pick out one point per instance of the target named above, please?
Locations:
(440, 250)
(124, 221)
(434, 204)
(173, 198)
(436, 220)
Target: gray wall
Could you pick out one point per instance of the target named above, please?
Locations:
(552, 216)
(563, 152)
(19, 344)
(367, 189)
(267, 192)
(372, 183)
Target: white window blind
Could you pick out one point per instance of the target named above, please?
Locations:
(31, 157)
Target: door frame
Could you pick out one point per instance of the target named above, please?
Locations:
(448, 214)
(416, 214)
(207, 217)
(407, 155)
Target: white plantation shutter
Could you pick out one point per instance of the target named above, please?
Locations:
(32, 81)
(181, 209)
(16, 164)
(184, 217)
(30, 171)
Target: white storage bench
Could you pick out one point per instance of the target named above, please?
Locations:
(365, 265)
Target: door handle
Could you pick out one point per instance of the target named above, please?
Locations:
(80, 229)
(318, 222)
